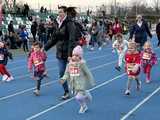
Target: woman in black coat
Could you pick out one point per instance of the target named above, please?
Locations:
(158, 33)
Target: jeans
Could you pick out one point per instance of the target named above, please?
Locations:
(62, 63)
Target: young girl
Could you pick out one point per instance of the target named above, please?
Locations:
(132, 59)
(37, 59)
(4, 54)
(121, 47)
(79, 78)
(148, 59)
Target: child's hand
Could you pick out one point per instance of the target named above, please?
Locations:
(61, 81)
(135, 68)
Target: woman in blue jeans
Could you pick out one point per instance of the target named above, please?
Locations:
(64, 38)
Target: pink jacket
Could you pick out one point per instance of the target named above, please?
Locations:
(37, 59)
(148, 58)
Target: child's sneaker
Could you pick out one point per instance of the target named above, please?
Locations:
(65, 96)
(100, 48)
(36, 92)
(148, 81)
(118, 68)
(83, 109)
(9, 79)
(127, 92)
(4, 78)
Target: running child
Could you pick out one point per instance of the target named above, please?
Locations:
(37, 60)
(4, 55)
(132, 65)
(148, 59)
(79, 78)
(121, 47)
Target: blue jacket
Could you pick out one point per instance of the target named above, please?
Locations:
(24, 35)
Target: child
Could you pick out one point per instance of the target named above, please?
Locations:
(24, 37)
(37, 59)
(4, 54)
(121, 47)
(79, 78)
(132, 59)
(148, 59)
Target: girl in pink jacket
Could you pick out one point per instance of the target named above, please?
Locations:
(37, 60)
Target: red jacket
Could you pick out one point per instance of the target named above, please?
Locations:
(131, 61)
(148, 58)
(117, 28)
(37, 59)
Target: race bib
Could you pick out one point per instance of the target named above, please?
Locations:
(130, 66)
(146, 56)
(74, 71)
(37, 62)
(1, 57)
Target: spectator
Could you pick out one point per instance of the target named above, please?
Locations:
(158, 33)
(65, 41)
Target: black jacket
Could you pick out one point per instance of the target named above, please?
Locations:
(64, 38)
(4, 54)
(158, 29)
(140, 33)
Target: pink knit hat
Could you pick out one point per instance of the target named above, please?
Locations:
(78, 51)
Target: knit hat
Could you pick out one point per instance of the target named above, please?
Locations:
(78, 51)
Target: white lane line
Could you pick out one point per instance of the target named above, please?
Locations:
(48, 61)
(140, 104)
(87, 53)
(24, 91)
(64, 102)
(49, 83)
(23, 76)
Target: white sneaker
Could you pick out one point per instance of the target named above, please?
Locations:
(92, 48)
(127, 92)
(148, 81)
(4, 77)
(100, 48)
(83, 109)
(9, 79)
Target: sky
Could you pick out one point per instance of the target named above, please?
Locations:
(52, 4)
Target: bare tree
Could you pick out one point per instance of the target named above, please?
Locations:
(156, 4)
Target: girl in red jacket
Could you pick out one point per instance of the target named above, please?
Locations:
(148, 59)
(37, 60)
(132, 58)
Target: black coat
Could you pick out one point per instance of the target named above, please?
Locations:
(64, 38)
(140, 33)
(158, 29)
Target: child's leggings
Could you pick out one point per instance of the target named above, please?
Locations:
(147, 71)
(130, 82)
(39, 76)
(83, 97)
(120, 59)
(3, 70)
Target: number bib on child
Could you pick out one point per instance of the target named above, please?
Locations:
(1, 57)
(146, 56)
(130, 67)
(74, 71)
(37, 62)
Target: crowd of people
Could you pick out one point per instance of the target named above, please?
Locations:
(69, 36)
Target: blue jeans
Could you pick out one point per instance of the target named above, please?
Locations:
(62, 63)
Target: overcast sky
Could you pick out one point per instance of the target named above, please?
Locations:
(78, 3)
